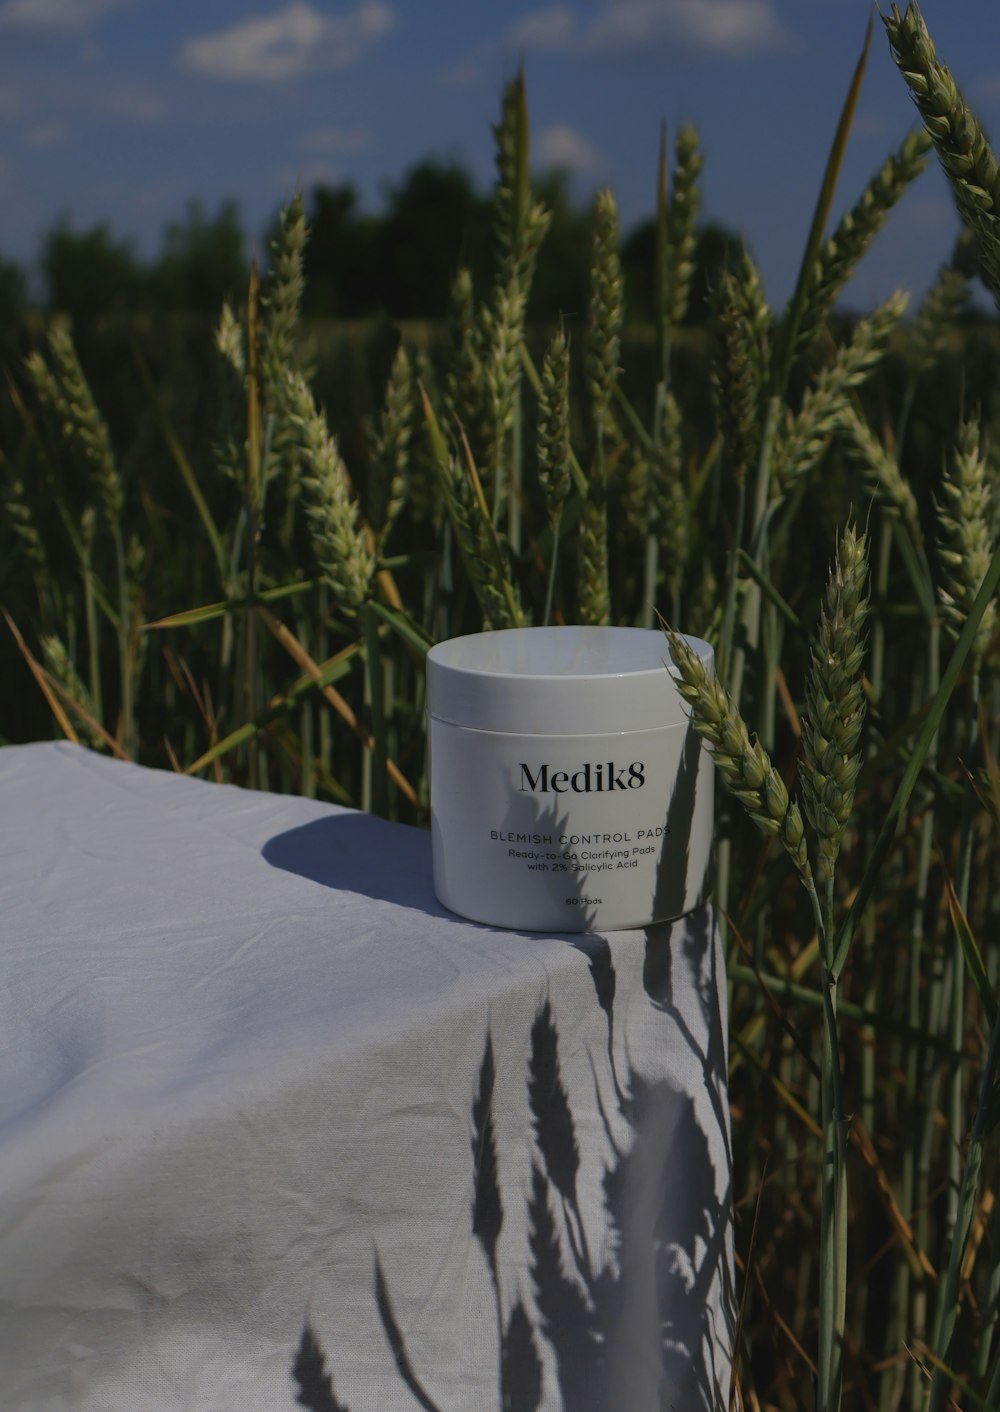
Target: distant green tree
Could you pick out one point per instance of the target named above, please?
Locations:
(13, 292)
(340, 262)
(89, 274)
(434, 222)
(203, 262)
(716, 248)
(402, 262)
(562, 281)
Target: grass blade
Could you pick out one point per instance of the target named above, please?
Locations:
(329, 672)
(376, 701)
(301, 657)
(180, 460)
(821, 214)
(42, 678)
(401, 623)
(973, 956)
(208, 612)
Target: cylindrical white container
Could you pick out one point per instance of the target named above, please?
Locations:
(569, 791)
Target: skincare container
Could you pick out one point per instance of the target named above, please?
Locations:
(569, 791)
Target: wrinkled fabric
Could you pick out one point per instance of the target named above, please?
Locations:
(277, 1130)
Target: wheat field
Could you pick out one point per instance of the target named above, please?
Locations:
(816, 496)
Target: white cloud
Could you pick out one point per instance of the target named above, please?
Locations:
(55, 16)
(984, 89)
(728, 26)
(289, 42)
(288, 178)
(551, 28)
(870, 125)
(725, 26)
(932, 212)
(137, 105)
(52, 134)
(335, 141)
(562, 146)
(466, 74)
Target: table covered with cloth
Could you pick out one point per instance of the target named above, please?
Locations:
(278, 1131)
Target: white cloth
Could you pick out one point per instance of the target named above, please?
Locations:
(277, 1130)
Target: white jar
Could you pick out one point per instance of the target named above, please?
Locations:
(569, 791)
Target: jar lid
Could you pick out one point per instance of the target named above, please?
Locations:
(558, 681)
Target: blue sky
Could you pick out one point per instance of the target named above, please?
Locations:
(123, 110)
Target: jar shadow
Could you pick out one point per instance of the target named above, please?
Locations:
(388, 862)
(362, 854)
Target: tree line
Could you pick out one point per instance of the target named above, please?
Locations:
(399, 262)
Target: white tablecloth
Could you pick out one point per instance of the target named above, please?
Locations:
(276, 1130)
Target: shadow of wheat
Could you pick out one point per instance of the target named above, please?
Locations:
(620, 1301)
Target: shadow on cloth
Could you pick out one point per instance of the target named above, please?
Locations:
(390, 863)
(359, 853)
(632, 1297)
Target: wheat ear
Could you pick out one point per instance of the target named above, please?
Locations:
(805, 436)
(839, 255)
(553, 427)
(339, 543)
(65, 389)
(742, 356)
(22, 519)
(935, 318)
(281, 302)
(283, 296)
(483, 551)
(602, 352)
(966, 539)
(601, 357)
(745, 766)
(682, 213)
(390, 468)
(835, 702)
(465, 378)
(961, 144)
(883, 478)
(668, 498)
